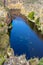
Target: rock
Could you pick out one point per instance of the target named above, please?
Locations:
(16, 60)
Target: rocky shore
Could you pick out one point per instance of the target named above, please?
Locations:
(20, 60)
(11, 59)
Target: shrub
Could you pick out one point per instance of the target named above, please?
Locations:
(31, 15)
(2, 59)
(41, 61)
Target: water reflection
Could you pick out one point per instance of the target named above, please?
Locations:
(24, 40)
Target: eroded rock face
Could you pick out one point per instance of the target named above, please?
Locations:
(13, 13)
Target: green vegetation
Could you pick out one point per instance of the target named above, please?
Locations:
(2, 59)
(41, 61)
(4, 38)
(31, 15)
(6, 8)
(35, 21)
(1, 3)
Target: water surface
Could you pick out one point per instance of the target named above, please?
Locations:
(24, 40)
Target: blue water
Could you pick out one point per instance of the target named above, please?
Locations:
(24, 40)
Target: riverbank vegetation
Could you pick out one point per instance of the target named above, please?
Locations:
(36, 21)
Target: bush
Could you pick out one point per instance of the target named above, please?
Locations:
(37, 20)
(41, 61)
(2, 59)
(4, 37)
(31, 15)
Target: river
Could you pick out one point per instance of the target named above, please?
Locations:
(24, 40)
